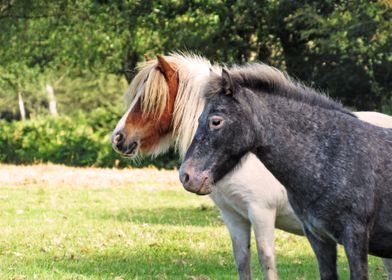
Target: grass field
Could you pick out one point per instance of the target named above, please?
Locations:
(83, 223)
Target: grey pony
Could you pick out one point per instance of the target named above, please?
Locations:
(337, 169)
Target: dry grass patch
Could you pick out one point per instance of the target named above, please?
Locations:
(50, 175)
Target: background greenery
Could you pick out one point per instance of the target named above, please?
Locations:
(88, 49)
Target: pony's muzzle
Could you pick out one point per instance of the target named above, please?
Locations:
(122, 146)
(193, 181)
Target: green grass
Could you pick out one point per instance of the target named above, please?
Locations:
(130, 231)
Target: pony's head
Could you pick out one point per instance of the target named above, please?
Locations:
(223, 137)
(147, 124)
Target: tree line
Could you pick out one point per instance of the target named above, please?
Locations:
(87, 50)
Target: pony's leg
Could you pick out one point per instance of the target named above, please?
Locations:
(263, 222)
(239, 229)
(355, 242)
(326, 254)
(388, 266)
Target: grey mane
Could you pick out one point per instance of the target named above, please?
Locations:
(267, 79)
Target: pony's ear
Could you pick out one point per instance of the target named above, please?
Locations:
(227, 82)
(165, 67)
(147, 57)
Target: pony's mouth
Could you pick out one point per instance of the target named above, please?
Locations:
(205, 188)
(122, 146)
(130, 149)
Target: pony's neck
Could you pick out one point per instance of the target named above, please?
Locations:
(297, 142)
(193, 73)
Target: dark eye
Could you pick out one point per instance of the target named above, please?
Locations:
(216, 122)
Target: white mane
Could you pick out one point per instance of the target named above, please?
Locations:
(150, 86)
(193, 72)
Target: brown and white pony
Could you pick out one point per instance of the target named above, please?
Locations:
(164, 106)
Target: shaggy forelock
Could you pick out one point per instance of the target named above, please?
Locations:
(150, 87)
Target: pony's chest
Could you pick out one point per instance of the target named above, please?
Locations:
(242, 197)
(232, 196)
(250, 186)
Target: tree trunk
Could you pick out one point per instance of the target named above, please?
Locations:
(21, 107)
(52, 101)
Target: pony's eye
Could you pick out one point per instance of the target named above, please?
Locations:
(216, 122)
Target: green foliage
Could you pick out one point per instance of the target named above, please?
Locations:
(345, 47)
(78, 141)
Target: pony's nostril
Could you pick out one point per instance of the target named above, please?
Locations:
(186, 178)
(118, 138)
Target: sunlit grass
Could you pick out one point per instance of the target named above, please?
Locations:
(66, 223)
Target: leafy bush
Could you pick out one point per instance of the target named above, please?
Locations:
(77, 141)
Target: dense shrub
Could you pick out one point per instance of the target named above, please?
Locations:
(77, 141)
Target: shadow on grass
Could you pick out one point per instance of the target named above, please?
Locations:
(152, 264)
(305, 267)
(195, 216)
(165, 264)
